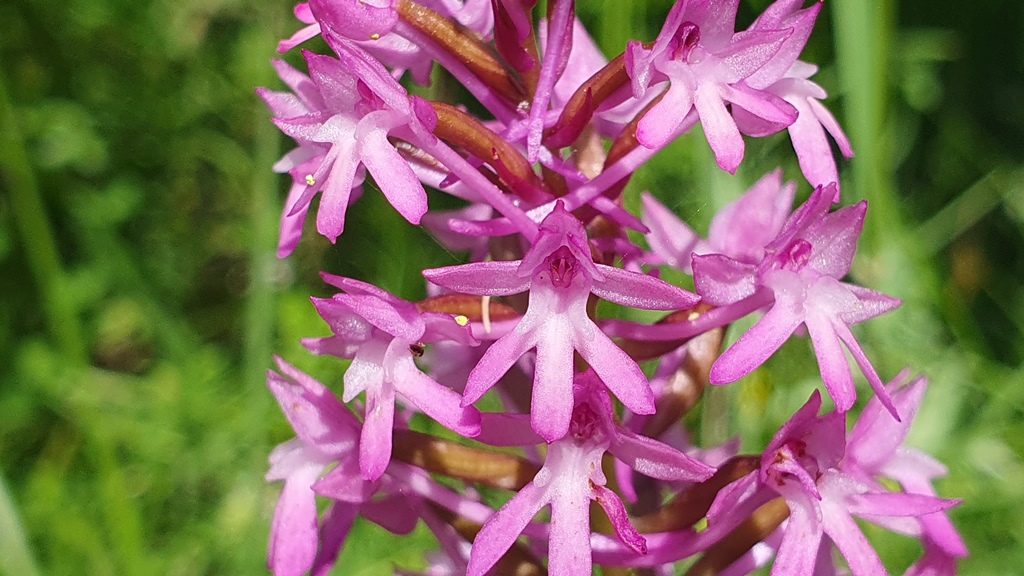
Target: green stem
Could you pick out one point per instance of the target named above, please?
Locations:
(260, 310)
(617, 24)
(15, 555)
(36, 233)
(864, 32)
(123, 522)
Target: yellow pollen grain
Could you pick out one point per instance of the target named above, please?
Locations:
(693, 316)
(310, 181)
(461, 320)
(374, 36)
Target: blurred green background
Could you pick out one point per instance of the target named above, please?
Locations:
(141, 299)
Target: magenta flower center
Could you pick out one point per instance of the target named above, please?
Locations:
(685, 40)
(563, 267)
(584, 423)
(796, 255)
(792, 462)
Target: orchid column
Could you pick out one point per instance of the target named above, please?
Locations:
(543, 394)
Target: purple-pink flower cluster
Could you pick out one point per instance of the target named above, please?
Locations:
(543, 395)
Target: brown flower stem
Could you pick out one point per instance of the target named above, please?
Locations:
(464, 46)
(456, 461)
(471, 307)
(589, 152)
(555, 182)
(518, 561)
(625, 143)
(686, 386)
(641, 350)
(514, 171)
(588, 97)
(688, 507)
(531, 77)
(759, 526)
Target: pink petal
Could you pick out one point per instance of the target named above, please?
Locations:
(353, 286)
(670, 238)
(385, 316)
(298, 37)
(336, 86)
(659, 124)
(877, 435)
(282, 104)
(391, 172)
(368, 69)
(799, 548)
(334, 201)
(835, 371)
(337, 523)
(743, 228)
(616, 512)
(366, 372)
(718, 23)
(870, 304)
(896, 504)
(658, 460)
(317, 416)
(719, 128)
(641, 290)
(344, 483)
(620, 373)
(501, 531)
(497, 278)
(859, 554)
(829, 122)
(294, 536)
(375, 440)
(292, 224)
(500, 429)
(764, 105)
(811, 147)
(865, 366)
(393, 513)
(552, 403)
(496, 362)
(356, 19)
(299, 83)
(781, 15)
(804, 417)
(834, 240)
(440, 403)
(750, 51)
(720, 280)
(754, 347)
(569, 546)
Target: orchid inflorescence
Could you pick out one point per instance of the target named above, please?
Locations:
(542, 174)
